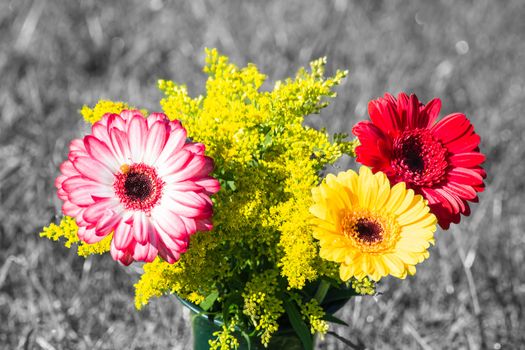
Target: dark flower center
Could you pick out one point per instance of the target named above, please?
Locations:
(138, 187)
(369, 231)
(411, 154)
(419, 159)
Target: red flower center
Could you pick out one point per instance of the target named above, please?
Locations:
(138, 187)
(418, 158)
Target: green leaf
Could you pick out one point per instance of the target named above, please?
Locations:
(350, 344)
(231, 185)
(268, 140)
(339, 137)
(322, 290)
(339, 294)
(248, 340)
(298, 324)
(333, 319)
(207, 303)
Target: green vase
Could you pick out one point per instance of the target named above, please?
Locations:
(203, 329)
(284, 339)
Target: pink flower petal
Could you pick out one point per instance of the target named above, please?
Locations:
(137, 134)
(128, 114)
(100, 132)
(191, 225)
(199, 166)
(120, 145)
(146, 252)
(59, 181)
(170, 256)
(107, 223)
(94, 170)
(81, 191)
(81, 196)
(99, 151)
(71, 209)
(169, 223)
(184, 186)
(121, 255)
(141, 227)
(155, 142)
(172, 244)
(175, 124)
(210, 184)
(88, 235)
(188, 199)
(173, 145)
(204, 225)
(67, 169)
(95, 211)
(188, 211)
(115, 121)
(122, 237)
(195, 147)
(71, 183)
(62, 194)
(174, 164)
(77, 145)
(156, 117)
(77, 149)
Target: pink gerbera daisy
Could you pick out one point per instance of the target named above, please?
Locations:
(140, 179)
(440, 161)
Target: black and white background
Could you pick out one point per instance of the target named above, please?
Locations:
(56, 56)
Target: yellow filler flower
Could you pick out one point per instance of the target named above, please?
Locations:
(372, 229)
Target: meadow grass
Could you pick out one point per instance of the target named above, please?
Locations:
(56, 56)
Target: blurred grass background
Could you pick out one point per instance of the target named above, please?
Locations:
(56, 56)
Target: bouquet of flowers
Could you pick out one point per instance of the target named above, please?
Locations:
(223, 199)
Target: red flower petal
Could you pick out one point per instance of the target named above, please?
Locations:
(452, 127)
(467, 160)
(465, 176)
(430, 113)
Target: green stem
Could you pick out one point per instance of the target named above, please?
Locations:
(323, 288)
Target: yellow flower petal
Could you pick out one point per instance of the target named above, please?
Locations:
(370, 228)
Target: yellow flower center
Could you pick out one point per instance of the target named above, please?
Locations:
(370, 232)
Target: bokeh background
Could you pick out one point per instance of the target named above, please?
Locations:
(56, 56)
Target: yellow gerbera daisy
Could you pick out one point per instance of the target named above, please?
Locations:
(372, 229)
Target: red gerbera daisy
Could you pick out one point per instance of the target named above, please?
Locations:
(440, 161)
